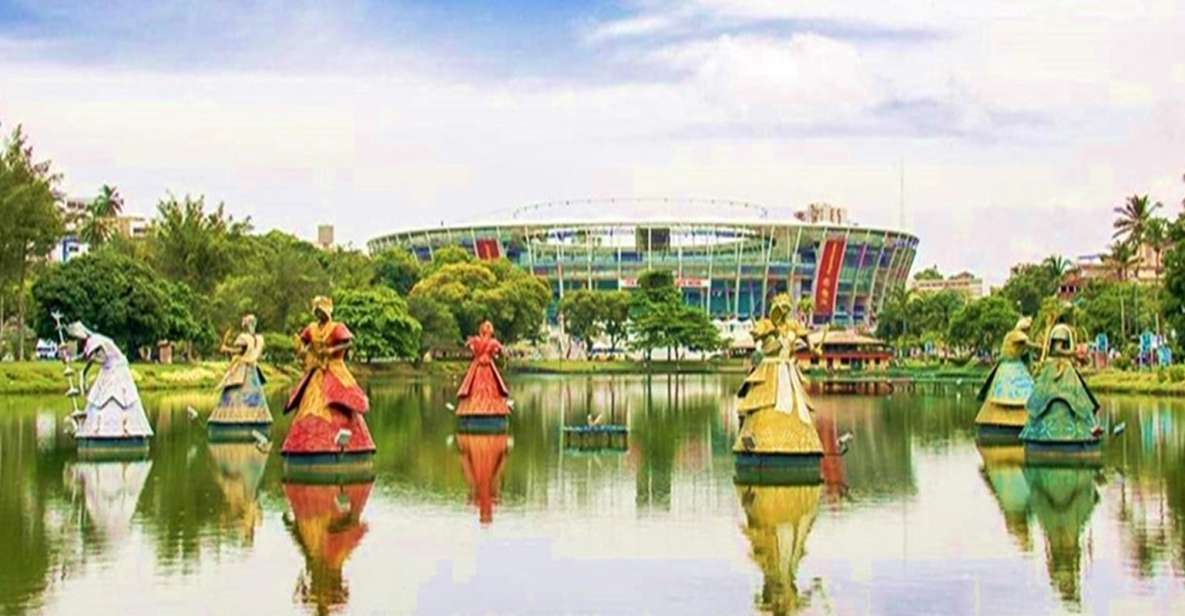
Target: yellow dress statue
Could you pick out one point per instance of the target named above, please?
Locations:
(774, 409)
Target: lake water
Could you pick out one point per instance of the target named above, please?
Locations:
(915, 518)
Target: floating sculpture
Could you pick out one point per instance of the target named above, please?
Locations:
(242, 408)
(778, 520)
(239, 470)
(776, 425)
(1061, 412)
(326, 523)
(483, 401)
(114, 423)
(328, 433)
(483, 460)
(1008, 387)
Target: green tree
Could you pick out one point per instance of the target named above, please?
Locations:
(656, 308)
(930, 273)
(347, 269)
(1057, 266)
(117, 296)
(32, 223)
(379, 319)
(1133, 217)
(980, 325)
(583, 317)
(275, 278)
(615, 317)
(397, 269)
(1122, 259)
(1028, 285)
(196, 246)
(439, 329)
(448, 255)
(1173, 292)
(98, 220)
(1119, 309)
(472, 291)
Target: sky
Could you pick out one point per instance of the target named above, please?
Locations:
(1017, 126)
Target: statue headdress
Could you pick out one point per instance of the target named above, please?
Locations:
(324, 304)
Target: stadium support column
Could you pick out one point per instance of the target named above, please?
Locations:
(473, 238)
(736, 298)
(890, 275)
(856, 280)
(792, 259)
(769, 249)
(589, 247)
(711, 262)
(530, 249)
(428, 242)
(559, 267)
(876, 270)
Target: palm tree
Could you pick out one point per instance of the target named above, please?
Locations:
(1056, 265)
(1156, 236)
(98, 221)
(1122, 258)
(1133, 218)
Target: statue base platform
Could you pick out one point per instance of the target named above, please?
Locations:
(483, 424)
(997, 435)
(778, 469)
(329, 467)
(223, 432)
(614, 437)
(1072, 453)
(120, 448)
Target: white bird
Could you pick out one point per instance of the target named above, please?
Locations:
(449, 406)
(595, 420)
(71, 425)
(843, 441)
(192, 412)
(261, 442)
(510, 403)
(1119, 428)
(343, 438)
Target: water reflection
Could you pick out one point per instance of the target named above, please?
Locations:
(326, 522)
(1063, 499)
(778, 520)
(238, 470)
(893, 517)
(483, 458)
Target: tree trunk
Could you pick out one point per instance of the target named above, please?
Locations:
(20, 309)
(3, 322)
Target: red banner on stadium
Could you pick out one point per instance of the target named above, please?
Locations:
(827, 276)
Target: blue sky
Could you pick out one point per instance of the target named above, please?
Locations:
(1027, 120)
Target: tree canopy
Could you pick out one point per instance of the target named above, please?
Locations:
(379, 319)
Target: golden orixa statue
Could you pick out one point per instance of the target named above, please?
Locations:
(1007, 388)
(777, 430)
(242, 405)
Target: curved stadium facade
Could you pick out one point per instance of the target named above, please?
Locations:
(727, 257)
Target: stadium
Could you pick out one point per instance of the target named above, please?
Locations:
(727, 257)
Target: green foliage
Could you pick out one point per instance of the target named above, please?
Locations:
(582, 313)
(119, 297)
(930, 273)
(1029, 284)
(981, 324)
(398, 269)
(278, 348)
(448, 255)
(379, 319)
(660, 319)
(615, 317)
(473, 291)
(276, 277)
(439, 329)
(1173, 292)
(912, 319)
(347, 269)
(98, 220)
(32, 224)
(1120, 309)
(193, 245)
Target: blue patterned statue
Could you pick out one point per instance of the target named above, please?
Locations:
(1007, 388)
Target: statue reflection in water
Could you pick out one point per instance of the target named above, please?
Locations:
(1061, 498)
(778, 519)
(111, 489)
(483, 460)
(239, 469)
(326, 522)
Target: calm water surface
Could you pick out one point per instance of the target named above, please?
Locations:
(914, 519)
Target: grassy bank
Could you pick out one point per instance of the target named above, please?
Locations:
(46, 376)
(1156, 383)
